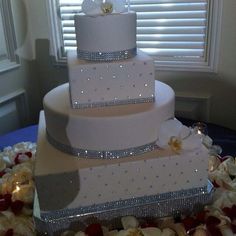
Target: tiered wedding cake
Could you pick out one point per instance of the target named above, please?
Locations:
(110, 146)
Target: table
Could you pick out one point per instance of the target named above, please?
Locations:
(224, 137)
(27, 134)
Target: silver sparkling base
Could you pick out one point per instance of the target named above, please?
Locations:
(167, 204)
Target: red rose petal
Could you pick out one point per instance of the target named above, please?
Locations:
(7, 198)
(3, 204)
(228, 212)
(189, 223)
(2, 173)
(214, 231)
(201, 216)
(233, 209)
(94, 230)
(29, 154)
(215, 184)
(212, 220)
(222, 159)
(17, 206)
(9, 232)
(233, 227)
(17, 160)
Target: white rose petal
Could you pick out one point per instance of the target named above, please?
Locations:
(2, 165)
(200, 232)
(112, 233)
(129, 222)
(151, 231)
(80, 233)
(213, 163)
(7, 160)
(168, 232)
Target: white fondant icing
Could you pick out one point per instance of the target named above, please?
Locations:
(107, 128)
(104, 181)
(106, 33)
(94, 82)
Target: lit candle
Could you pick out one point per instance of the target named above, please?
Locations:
(200, 128)
(17, 189)
(199, 132)
(16, 193)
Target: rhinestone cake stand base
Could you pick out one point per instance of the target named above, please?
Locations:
(167, 204)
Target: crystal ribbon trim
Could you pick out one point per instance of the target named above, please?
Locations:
(106, 56)
(77, 105)
(93, 154)
(160, 205)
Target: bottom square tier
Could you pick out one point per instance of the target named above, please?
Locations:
(75, 191)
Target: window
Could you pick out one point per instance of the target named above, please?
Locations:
(8, 59)
(178, 34)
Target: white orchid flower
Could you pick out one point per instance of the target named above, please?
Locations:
(177, 136)
(98, 7)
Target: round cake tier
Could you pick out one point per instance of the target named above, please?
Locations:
(113, 128)
(106, 33)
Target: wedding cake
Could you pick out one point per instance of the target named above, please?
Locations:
(108, 143)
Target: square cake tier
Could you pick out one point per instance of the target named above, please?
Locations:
(95, 84)
(73, 189)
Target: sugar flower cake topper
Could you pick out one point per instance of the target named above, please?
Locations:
(98, 7)
(177, 136)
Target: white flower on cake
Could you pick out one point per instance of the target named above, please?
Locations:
(98, 7)
(178, 137)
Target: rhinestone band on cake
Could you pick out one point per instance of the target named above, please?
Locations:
(93, 154)
(113, 103)
(107, 56)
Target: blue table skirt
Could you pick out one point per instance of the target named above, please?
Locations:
(28, 134)
(224, 137)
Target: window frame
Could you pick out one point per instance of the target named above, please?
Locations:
(212, 52)
(12, 61)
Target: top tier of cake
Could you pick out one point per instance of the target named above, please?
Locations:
(106, 37)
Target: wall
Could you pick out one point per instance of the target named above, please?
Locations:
(22, 78)
(220, 86)
(2, 40)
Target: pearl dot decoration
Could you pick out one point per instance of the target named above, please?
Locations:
(118, 76)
